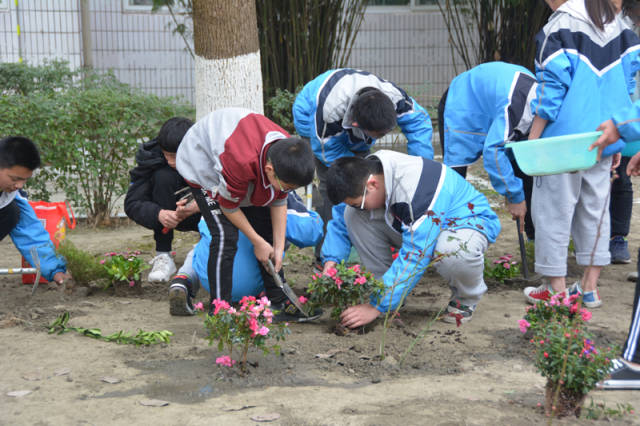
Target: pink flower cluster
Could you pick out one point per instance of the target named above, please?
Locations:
(333, 273)
(253, 309)
(225, 361)
(505, 261)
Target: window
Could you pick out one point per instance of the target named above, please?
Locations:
(137, 5)
(409, 3)
(4, 4)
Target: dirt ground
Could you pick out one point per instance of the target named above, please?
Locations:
(479, 373)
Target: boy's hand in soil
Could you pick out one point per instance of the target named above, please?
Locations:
(609, 136)
(518, 211)
(168, 218)
(359, 315)
(633, 168)
(60, 277)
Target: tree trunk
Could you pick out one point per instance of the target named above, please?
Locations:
(227, 55)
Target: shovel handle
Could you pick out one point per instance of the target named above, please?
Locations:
(523, 251)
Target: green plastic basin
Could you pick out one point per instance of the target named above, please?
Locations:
(558, 154)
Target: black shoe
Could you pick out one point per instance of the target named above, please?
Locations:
(180, 299)
(288, 312)
(622, 377)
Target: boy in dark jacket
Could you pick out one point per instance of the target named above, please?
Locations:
(151, 199)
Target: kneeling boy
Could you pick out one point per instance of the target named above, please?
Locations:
(427, 212)
(246, 164)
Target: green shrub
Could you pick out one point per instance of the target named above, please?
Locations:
(88, 132)
(279, 108)
(84, 267)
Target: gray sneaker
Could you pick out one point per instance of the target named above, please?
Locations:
(621, 377)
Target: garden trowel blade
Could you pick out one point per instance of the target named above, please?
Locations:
(36, 260)
(288, 291)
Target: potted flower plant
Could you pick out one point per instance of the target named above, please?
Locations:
(250, 324)
(340, 288)
(124, 270)
(565, 352)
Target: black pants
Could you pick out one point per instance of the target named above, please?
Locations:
(631, 350)
(9, 217)
(621, 202)
(527, 181)
(224, 244)
(166, 182)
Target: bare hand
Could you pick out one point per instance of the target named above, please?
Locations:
(633, 168)
(168, 218)
(615, 160)
(264, 251)
(278, 256)
(327, 265)
(518, 211)
(359, 315)
(610, 135)
(60, 277)
(184, 210)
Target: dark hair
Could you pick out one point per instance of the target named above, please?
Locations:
(292, 161)
(374, 111)
(172, 132)
(600, 12)
(19, 151)
(347, 176)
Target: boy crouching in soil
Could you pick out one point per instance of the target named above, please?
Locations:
(424, 210)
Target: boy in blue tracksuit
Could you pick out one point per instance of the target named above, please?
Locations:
(428, 213)
(19, 157)
(343, 111)
(585, 69)
(483, 109)
(304, 229)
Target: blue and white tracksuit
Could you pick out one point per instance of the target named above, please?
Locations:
(427, 206)
(29, 233)
(304, 228)
(584, 76)
(322, 113)
(628, 124)
(486, 107)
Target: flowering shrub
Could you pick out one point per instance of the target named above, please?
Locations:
(502, 268)
(248, 325)
(565, 351)
(126, 266)
(342, 287)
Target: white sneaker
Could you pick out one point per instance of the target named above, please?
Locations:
(163, 268)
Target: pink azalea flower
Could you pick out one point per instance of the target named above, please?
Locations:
(586, 315)
(253, 326)
(198, 306)
(173, 253)
(132, 283)
(220, 304)
(546, 355)
(263, 301)
(113, 253)
(506, 265)
(102, 262)
(338, 283)
(360, 280)
(332, 272)
(495, 262)
(524, 325)
(231, 310)
(225, 361)
(302, 299)
(263, 331)
(356, 269)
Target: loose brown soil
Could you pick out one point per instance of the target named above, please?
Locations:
(479, 373)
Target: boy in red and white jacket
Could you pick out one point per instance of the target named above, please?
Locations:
(241, 166)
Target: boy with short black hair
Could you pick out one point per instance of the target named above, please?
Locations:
(343, 111)
(151, 199)
(241, 166)
(19, 157)
(424, 210)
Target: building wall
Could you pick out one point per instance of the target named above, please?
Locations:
(407, 46)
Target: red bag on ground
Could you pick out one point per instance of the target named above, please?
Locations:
(55, 219)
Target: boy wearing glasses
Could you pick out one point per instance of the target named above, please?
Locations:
(422, 209)
(241, 166)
